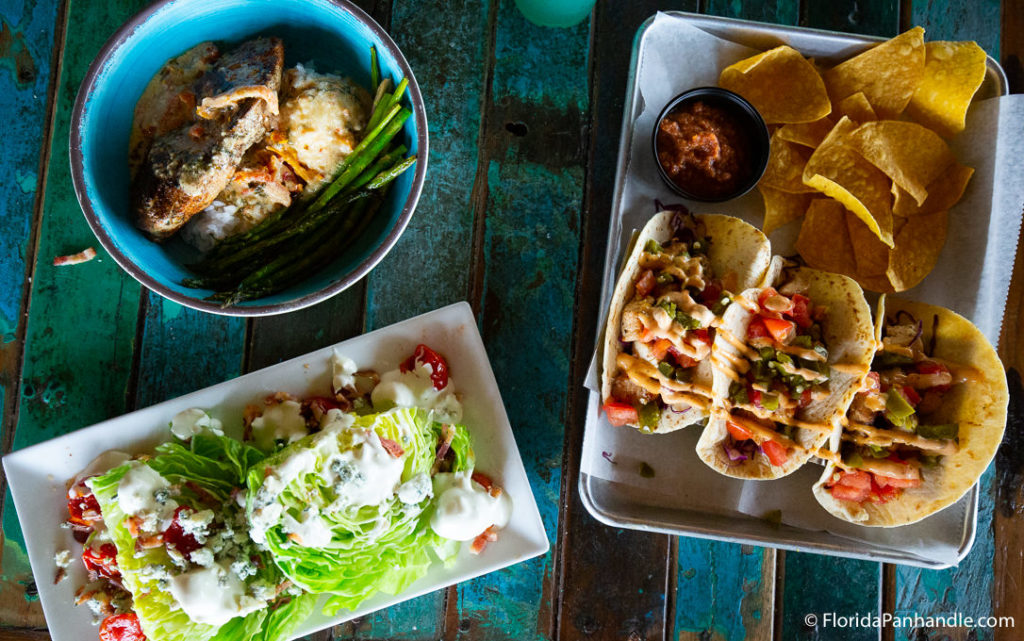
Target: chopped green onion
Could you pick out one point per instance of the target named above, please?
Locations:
(652, 247)
(940, 431)
(770, 402)
(666, 368)
(687, 321)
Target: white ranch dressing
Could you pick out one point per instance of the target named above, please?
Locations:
(364, 474)
(415, 389)
(188, 423)
(212, 595)
(280, 422)
(465, 509)
(136, 493)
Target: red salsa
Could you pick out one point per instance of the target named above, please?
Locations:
(703, 149)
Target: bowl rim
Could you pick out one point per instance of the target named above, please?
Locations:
(122, 35)
(757, 120)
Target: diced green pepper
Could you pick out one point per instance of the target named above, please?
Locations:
(770, 402)
(649, 413)
(766, 352)
(884, 360)
(665, 278)
(687, 321)
(738, 394)
(783, 357)
(669, 307)
(803, 341)
(930, 460)
(652, 247)
(666, 368)
(878, 452)
(721, 305)
(940, 431)
(897, 407)
(855, 460)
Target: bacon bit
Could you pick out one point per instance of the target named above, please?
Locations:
(284, 585)
(393, 448)
(295, 537)
(133, 523)
(443, 446)
(490, 535)
(486, 482)
(61, 574)
(196, 132)
(204, 495)
(150, 542)
(279, 397)
(83, 256)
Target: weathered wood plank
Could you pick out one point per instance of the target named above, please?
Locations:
(773, 11)
(977, 20)
(81, 325)
(529, 195)
(874, 17)
(27, 33)
(615, 583)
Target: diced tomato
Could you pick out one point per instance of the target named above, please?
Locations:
(645, 283)
(852, 485)
(703, 335)
(775, 452)
(439, 367)
(660, 347)
(102, 561)
(911, 395)
(82, 505)
(681, 359)
(884, 493)
(176, 537)
(757, 329)
(767, 293)
(930, 367)
(712, 292)
(780, 329)
(855, 478)
(805, 398)
(122, 627)
(802, 311)
(620, 413)
(849, 493)
(755, 396)
(738, 432)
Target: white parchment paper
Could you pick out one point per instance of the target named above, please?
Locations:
(972, 278)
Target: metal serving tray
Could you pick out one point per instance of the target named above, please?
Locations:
(625, 506)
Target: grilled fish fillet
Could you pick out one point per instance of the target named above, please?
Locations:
(186, 168)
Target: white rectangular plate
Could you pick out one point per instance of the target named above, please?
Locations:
(38, 474)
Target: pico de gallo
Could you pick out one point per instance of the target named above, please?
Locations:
(889, 437)
(667, 328)
(776, 370)
(208, 536)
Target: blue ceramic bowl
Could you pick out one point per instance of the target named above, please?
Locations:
(334, 34)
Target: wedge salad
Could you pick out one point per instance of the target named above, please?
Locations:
(321, 501)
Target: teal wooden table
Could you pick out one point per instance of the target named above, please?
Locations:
(524, 125)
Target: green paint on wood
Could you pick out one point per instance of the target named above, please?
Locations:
(815, 585)
(430, 265)
(774, 11)
(720, 592)
(81, 326)
(977, 20)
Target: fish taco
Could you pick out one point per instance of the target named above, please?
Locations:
(675, 284)
(925, 423)
(787, 360)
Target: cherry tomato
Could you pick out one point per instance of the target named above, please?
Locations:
(645, 283)
(738, 432)
(176, 537)
(775, 452)
(122, 627)
(438, 365)
(102, 561)
(620, 413)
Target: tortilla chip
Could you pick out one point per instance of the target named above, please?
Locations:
(918, 245)
(782, 207)
(943, 192)
(911, 155)
(953, 72)
(808, 134)
(888, 74)
(781, 84)
(857, 107)
(840, 172)
(785, 168)
(870, 254)
(824, 241)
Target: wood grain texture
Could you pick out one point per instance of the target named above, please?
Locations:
(773, 11)
(529, 197)
(82, 321)
(976, 20)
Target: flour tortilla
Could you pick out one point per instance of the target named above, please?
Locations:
(848, 334)
(979, 407)
(735, 246)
